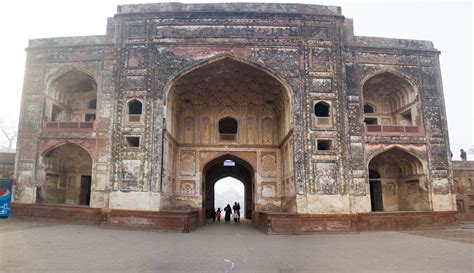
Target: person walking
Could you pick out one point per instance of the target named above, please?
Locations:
(463, 155)
(228, 211)
(236, 217)
(238, 211)
(218, 215)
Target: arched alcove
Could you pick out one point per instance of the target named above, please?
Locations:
(219, 106)
(71, 97)
(393, 97)
(398, 182)
(227, 85)
(66, 176)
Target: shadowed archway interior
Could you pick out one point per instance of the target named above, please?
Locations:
(67, 176)
(228, 106)
(216, 170)
(398, 182)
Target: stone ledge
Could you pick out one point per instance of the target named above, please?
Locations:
(67, 41)
(178, 221)
(279, 223)
(270, 223)
(230, 7)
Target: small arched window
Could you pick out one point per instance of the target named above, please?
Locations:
(134, 107)
(92, 104)
(321, 109)
(228, 126)
(368, 108)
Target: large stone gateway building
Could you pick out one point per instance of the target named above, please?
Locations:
(325, 129)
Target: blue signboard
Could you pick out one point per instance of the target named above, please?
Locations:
(5, 197)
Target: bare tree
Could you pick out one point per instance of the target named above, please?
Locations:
(8, 135)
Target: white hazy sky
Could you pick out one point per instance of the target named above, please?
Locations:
(447, 24)
(229, 184)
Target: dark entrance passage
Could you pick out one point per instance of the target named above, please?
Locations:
(376, 200)
(85, 195)
(227, 166)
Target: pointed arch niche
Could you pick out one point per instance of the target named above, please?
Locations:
(231, 89)
(71, 97)
(398, 182)
(65, 176)
(226, 104)
(390, 105)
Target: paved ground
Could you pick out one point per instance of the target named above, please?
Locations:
(457, 235)
(27, 246)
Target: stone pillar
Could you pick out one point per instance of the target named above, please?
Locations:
(28, 130)
(434, 113)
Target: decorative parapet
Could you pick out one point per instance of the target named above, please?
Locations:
(67, 125)
(372, 129)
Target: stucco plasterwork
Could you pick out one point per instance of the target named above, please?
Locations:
(316, 119)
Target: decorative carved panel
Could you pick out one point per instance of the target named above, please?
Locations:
(188, 188)
(268, 190)
(188, 164)
(269, 165)
(326, 178)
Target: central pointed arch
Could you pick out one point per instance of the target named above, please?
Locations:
(232, 67)
(219, 168)
(226, 105)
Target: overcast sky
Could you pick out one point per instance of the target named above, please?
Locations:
(447, 24)
(228, 184)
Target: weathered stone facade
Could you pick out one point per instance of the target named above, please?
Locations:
(463, 172)
(7, 165)
(316, 120)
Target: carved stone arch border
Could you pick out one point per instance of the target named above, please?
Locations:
(410, 80)
(294, 104)
(395, 72)
(204, 165)
(180, 73)
(372, 155)
(228, 112)
(58, 72)
(43, 153)
(250, 187)
(371, 104)
(129, 99)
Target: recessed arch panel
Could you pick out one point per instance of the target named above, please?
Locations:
(401, 181)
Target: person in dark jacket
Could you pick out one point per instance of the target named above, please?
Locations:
(238, 210)
(228, 211)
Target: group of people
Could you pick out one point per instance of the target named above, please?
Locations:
(234, 211)
(463, 155)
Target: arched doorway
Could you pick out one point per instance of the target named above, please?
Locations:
(397, 182)
(229, 190)
(227, 166)
(376, 198)
(66, 176)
